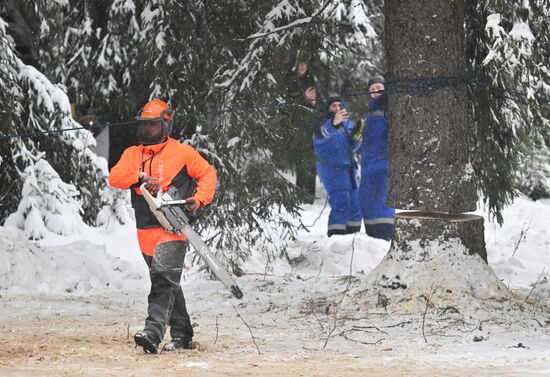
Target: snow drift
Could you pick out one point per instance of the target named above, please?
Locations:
(77, 268)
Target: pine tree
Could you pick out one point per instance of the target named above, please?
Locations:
(508, 48)
(37, 106)
(10, 110)
(99, 56)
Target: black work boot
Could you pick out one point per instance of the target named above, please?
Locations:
(175, 344)
(147, 341)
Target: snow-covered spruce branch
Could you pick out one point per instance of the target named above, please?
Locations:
(256, 49)
(296, 23)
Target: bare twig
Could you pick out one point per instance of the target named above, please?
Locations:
(261, 274)
(318, 320)
(362, 328)
(359, 341)
(521, 235)
(538, 301)
(267, 265)
(532, 289)
(318, 217)
(399, 324)
(428, 300)
(249, 328)
(217, 330)
(332, 329)
(319, 273)
(352, 254)
(334, 324)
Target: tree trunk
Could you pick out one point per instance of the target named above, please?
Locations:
(429, 164)
(429, 157)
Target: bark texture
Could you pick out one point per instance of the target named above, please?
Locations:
(429, 164)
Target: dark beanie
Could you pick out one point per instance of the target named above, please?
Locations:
(376, 80)
(333, 97)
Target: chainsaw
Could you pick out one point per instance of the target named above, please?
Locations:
(173, 218)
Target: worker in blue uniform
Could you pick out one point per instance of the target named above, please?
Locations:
(335, 141)
(373, 191)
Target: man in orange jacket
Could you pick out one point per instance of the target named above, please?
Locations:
(162, 163)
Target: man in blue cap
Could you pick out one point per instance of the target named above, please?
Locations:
(334, 144)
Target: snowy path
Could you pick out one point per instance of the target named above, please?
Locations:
(92, 336)
(69, 306)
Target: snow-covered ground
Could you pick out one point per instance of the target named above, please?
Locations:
(307, 315)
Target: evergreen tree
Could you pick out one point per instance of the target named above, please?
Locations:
(326, 31)
(96, 58)
(36, 106)
(508, 47)
(202, 56)
(10, 110)
(48, 203)
(209, 58)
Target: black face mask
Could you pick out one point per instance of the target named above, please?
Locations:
(149, 133)
(379, 103)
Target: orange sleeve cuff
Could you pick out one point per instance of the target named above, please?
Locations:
(205, 174)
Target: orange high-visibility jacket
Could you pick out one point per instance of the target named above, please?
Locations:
(173, 164)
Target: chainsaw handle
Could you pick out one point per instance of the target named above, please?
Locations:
(169, 203)
(159, 192)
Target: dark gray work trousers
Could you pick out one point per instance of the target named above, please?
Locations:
(166, 301)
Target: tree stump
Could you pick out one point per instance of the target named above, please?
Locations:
(436, 249)
(424, 227)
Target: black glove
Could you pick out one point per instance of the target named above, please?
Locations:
(151, 184)
(192, 204)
